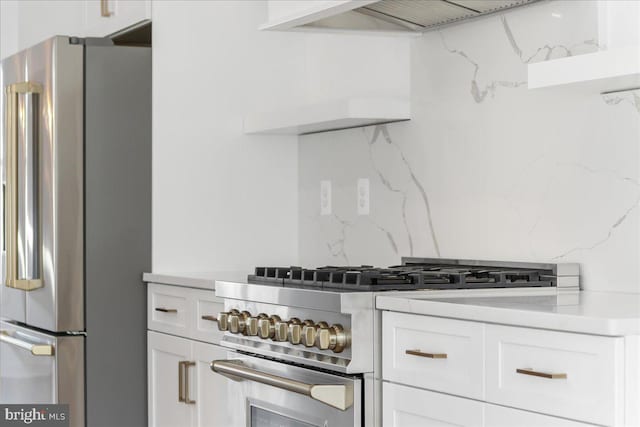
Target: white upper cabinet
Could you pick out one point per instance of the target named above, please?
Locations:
(26, 23)
(616, 67)
(40, 20)
(104, 17)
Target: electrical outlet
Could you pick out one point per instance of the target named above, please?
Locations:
(325, 197)
(363, 196)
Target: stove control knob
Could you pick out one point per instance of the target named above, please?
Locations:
(223, 321)
(331, 338)
(266, 327)
(281, 330)
(294, 334)
(237, 322)
(251, 327)
(309, 333)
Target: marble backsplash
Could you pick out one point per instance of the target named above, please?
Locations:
(487, 169)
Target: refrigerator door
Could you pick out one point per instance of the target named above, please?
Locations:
(40, 368)
(42, 191)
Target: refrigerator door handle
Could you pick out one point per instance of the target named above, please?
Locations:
(35, 349)
(23, 261)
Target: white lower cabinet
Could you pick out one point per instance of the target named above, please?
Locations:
(183, 391)
(499, 416)
(164, 353)
(211, 405)
(569, 375)
(405, 406)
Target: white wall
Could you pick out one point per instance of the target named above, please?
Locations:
(221, 200)
(487, 168)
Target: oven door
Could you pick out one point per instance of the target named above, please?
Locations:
(264, 393)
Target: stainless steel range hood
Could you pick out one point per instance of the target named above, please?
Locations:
(393, 15)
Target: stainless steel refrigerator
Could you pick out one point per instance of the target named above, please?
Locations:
(76, 228)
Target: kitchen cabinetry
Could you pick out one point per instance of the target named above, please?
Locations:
(183, 391)
(39, 19)
(104, 17)
(166, 354)
(409, 407)
(553, 374)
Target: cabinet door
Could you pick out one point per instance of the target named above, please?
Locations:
(104, 17)
(212, 392)
(164, 353)
(404, 406)
(499, 416)
(40, 20)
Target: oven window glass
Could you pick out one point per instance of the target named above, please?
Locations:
(263, 418)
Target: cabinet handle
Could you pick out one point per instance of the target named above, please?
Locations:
(183, 382)
(541, 374)
(427, 355)
(209, 317)
(180, 381)
(166, 310)
(104, 9)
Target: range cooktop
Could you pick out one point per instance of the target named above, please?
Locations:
(438, 274)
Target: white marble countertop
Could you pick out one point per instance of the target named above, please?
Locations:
(599, 313)
(202, 280)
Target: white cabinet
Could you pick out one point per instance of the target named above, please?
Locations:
(212, 390)
(183, 391)
(441, 354)
(409, 407)
(40, 20)
(104, 17)
(499, 416)
(187, 312)
(518, 376)
(165, 353)
(570, 375)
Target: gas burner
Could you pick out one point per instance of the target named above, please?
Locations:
(410, 276)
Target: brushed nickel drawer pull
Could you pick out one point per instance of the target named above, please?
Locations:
(187, 399)
(180, 381)
(427, 355)
(209, 317)
(541, 374)
(166, 310)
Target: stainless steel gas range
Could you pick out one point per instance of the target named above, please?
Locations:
(305, 343)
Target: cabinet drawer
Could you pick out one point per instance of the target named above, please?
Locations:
(499, 416)
(430, 352)
(207, 307)
(569, 375)
(168, 309)
(411, 407)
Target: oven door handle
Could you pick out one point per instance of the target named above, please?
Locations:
(336, 395)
